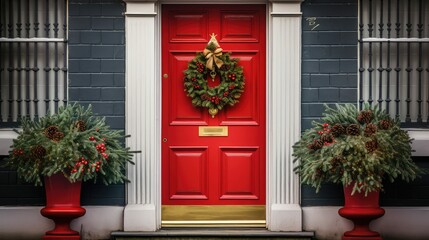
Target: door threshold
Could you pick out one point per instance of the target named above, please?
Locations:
(209, 216)
(214, 224)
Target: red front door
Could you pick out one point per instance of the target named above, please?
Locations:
(213, 170)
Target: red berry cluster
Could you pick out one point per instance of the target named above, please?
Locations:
(215, 99)
(81, 161)
(193, 79)
(225, 94)
(96, 165)
(200, 67)
(101, 148)
(232, 76)
(325, 129)
(231, 87)
(196, 86)
(326, 135)
(18, 152)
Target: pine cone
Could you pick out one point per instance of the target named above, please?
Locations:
(338, 130)
(337, 160)
(365, 116)
(353, 130)
(327, 138)
(58, 136)
(81, 125)
(224, 67)
(316, 145)
(50, 131)
(38, 152)
(370, 129)
(319, 172)
(371, 146)
(385, 124)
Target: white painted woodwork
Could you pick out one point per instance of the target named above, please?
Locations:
(284, 116)
(142, 117)
(144, 106)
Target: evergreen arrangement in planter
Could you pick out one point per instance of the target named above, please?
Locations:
(73, 142)
(351, 146)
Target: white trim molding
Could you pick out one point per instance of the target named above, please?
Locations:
(143, 112)
(142, 117)
(284, 116)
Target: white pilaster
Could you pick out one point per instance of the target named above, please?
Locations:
(284, 116)
(143, 117)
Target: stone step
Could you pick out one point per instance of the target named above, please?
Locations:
(212, 234)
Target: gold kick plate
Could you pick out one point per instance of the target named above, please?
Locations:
(213, 216)
(213, 131)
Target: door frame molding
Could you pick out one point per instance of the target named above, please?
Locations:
(143, 111)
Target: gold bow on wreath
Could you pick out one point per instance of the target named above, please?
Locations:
(211, 56)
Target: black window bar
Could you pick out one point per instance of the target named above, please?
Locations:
(33, 59)
(394, 58)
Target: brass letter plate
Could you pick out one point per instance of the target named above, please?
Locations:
(213, 131)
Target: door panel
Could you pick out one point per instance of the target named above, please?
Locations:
(240, 26)
(183, 113)
(213, 170)
(239, 173)
(183, 160)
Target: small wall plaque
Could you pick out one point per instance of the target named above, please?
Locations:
(217, 131)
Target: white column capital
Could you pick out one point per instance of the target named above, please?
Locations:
(286, 7)
(140, 8)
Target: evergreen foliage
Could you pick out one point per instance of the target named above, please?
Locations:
(227, 92)
(73, 142)
(348, 146)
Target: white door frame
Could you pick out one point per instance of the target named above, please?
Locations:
(143, 111)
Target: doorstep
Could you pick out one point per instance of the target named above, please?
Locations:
(211, 234)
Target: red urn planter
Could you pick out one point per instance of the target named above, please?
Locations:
(361, 210)
(62, 206)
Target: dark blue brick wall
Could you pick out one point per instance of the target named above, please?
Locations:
(97, 77)
(329, 55)
(97, 74)
(97, 57)
(329, 75)
(329, 68)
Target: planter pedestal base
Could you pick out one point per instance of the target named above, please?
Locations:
(62, 206)
(62, 216)
(361, 210)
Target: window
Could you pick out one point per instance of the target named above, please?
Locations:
(394, 58)
(33, 59)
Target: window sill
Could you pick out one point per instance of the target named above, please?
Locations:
(6, 139)
(420, 142)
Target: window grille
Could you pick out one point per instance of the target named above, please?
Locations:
(394, 58)
(33, 59)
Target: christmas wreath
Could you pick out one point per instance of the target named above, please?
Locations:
(211, 62)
